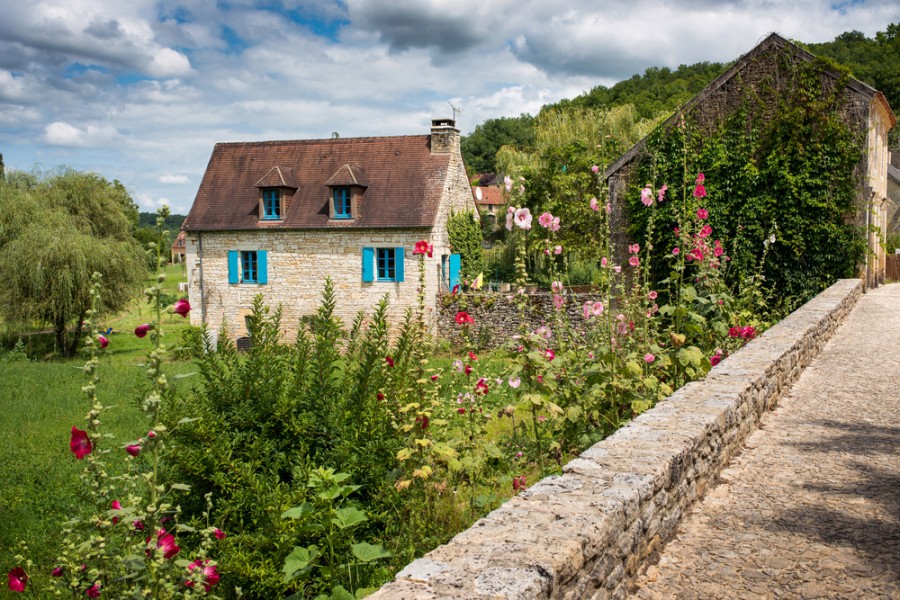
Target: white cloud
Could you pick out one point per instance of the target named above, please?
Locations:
(59, 133)
(175, 179)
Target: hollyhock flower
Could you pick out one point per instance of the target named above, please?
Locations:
(649, 358)
(464, 318)
(594, 205)
(675, 250)
(389, 361)
(133, 449)
(507, 181)
(509, 220)
(603, 262)
(423, 421)
(461, 410)
(541, 418)
(220, 535)
(734, 332)
(458, 365)
(718, 251)
(715, 358)
(647, 196)
(634, 248)
(80, 444)
(586, 310)
(181, 307)
(634, 261)
(138, 525)
(558, 301)
(141, 330)
(17, 579)
(617, 269)
(467, 370)
(103, 341)
(472, 356)
(652, 295)
(545, 220)
(57, 572)
(700, 178)
(557, 250)
(515, 382)
(549, 354)
(556, 287)
(455, 289)
(705, 231)
(661, 194)
(421, 247)
(379, 396)
(748, 333)
(434, 377)
(702, 213)
(544, 332)
(523, 218)
(591, 355)
(166, 541)
(608, 208)
(597, 308)
(554, 226)
(699, 191)
(210, 574)
(93, 591)
(595, 169)
(518, 483)
(481, 386)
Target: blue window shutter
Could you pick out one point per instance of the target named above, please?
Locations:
(454, 270)
(232, 266)
(398, 264)
(368, 264)
(262, 264)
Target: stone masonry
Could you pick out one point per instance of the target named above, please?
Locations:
(586, 533)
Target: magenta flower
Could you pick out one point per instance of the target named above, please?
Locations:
(210, 574)
(103, 341)
(662, 193)
(634, 261)
(545, 220)
(181, 307)
(166, 542)
(80, 444)
(675, 250)
(133, 449)
(57, 572)
(702, 213)
(141, 330)
(389, 361)
(467, 370)
(93, 591)
(464, 318)
(603, 262)
(472, 356)
(594, 205)
(518, 483)
(549, 354)
(652, 295)
(715, 359)
(699, 191)
(220, 535)
(705, 231)
(481, 386)
(523, 218)
(649, 358)
(138, 525)
(434, 377)
(17, 579)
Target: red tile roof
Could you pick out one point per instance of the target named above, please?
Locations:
(404, 182)
(489, 195)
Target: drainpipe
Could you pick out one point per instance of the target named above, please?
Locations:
(202, 296)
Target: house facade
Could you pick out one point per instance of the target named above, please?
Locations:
(491, 204)
(862, 107)
(278, 218)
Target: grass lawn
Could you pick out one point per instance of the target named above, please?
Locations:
(41, 401)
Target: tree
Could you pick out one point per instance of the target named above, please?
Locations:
(479, 148)
(55, 232)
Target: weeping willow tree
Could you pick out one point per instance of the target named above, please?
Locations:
(56, 230)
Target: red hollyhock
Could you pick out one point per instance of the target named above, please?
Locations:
(421, 247)
(133, 449)
(210, 574)
(167, 542)
(103, 341)
(17, 579)
(182, 307)
(464, 318)
(389, 361)
(80, 444)
(93, 591)
(141, 330)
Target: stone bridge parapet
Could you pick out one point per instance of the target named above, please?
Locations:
(585, 533)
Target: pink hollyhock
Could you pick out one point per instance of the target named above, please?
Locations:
(141, 330)
(181, 307)
(700, 178)
(652, 295)
(597, 308)
(549, 354)
(634, 248)
(557, 250)
(595, 169)
(116, 505)
(133, 449)
(210, 574)
(103, 341)
(558, 301)
(57, 572)
(594, 205)
(464, 318)
(634, 261)
(80, 444)
(675, 250)
(705, 231)
(649, 358)
(17, 579)
(617, 269)
(715, 359)
(220, 535)
(734, 332)
(389, 361)
(518, 483)
(718, 251)
(748, 333)
(515, 382)
(608, 208)
(545, 220)
(699, 191)
(586, 309)
(702, 213)
(421, 247)
(554, 226)
(93, 591)
(434, 377)
(509, 219)
(603, 262)
(166, 541)
(523, 218)
(507, 182)
(556, 287)
(662, 193)
(647, 196)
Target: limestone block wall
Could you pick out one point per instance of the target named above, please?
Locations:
(298, 263)
(585, 533)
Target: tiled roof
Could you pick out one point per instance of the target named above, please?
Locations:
(276, 177)
(404, 182)
(489, 195)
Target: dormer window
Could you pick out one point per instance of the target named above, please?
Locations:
(343, 202)
(271, 204)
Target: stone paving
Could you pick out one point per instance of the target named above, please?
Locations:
(811, 507)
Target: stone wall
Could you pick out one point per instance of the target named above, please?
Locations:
(585, 533)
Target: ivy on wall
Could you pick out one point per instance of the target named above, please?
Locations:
(784, 162)
(465, 239)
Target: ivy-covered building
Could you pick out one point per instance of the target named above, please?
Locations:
(277, 218)
(793, 147)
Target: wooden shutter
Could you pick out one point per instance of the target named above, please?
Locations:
(368, 264)
(398, 264)
(262, 267)
(232, 266)
(454, 270)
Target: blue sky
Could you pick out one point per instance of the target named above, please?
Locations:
(140, 91)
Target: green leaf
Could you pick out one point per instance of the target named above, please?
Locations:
(182, 487)
(298, 512)
(183, 376)
(298, 562)
(363, 592)
(535, 399)
(688, 293)
(444, 450)
(635, 369)
(348, 517)
(188, 420)
(338, 592)
(404, 454)
(367, 552)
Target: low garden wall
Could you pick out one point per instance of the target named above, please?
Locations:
(585, 533)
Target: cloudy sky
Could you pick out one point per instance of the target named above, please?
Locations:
(140, 90)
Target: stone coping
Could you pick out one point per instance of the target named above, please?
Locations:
(585, 533)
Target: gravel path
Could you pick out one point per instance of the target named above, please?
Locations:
(811, 508)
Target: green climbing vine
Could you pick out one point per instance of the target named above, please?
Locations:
(465, 240)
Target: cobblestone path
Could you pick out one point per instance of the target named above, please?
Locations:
(811, 507)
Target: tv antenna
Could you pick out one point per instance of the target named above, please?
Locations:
(456, 111)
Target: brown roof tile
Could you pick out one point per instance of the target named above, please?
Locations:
(490, 195)
(277, 177)
(404, 182)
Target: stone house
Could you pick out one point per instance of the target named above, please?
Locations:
(863, 107)
(177, 249)
(276, 218)
(491, 204)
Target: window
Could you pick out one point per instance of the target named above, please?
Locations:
(248, 266)
(271, 204)
(382, 264)
(342, 199)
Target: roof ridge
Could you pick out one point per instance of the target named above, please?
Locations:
(319, 140)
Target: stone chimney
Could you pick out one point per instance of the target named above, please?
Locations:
(444, 136)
